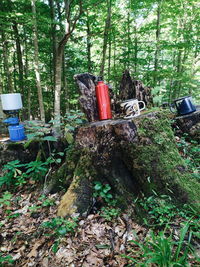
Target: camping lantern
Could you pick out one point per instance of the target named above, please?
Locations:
(103, 101)
(11, 104)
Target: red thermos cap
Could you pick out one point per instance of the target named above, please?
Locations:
(103, 101)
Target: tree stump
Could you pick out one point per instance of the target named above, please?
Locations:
(134, 156)
(189, 123)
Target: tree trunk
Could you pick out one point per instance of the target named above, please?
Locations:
(135, 50)
(19, 57)
(135, 157)
(36, 63)
(89, 61)
(26, 71)
(53, 36)
(8, 73)
(157, 52)
(106, 34)
(69, 28)
(58, 81)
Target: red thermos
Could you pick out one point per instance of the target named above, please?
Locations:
(103, 101)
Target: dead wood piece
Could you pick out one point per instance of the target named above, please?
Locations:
(130, 88)
(189, 123)
(127, 87)
(143, 93)
(87, 99)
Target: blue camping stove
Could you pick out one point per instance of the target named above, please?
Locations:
(11, 104)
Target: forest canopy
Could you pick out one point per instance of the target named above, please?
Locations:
(157, 40)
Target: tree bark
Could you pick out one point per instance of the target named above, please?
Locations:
(88, 103)
(6, 64)
(106, 34)
(36, 63)
(53, 36)
(19, 57)
(157, 51)
(89, 45)
(130, 88)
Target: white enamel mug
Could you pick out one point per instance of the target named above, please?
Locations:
(130, 108)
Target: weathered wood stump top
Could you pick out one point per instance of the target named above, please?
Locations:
(189, 123)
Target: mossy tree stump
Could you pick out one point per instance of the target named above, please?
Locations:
(134, 156)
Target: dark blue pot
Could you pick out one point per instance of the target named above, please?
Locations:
(184, 105)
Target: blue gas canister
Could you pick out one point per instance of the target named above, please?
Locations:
(16, 132)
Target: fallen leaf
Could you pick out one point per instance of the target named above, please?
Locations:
(34, 251)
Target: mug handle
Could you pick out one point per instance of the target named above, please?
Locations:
(172, 108)
(144, 106)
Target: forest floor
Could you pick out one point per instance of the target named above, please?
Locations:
(91, 241)
(31, 234)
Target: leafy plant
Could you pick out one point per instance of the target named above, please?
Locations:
(61, 226)
(16, 173)
(109, 213)
(190, 151)
(103, 191)
(161, 250)
(159, 210)
(37, 169)
(12, 171)
(5, 200)
(5, 260)
(46, 202)
(72, 120)
(34, 208)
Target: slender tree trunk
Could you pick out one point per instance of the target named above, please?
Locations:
(106, 34)
(157, 51)
(69, 28)
(19, 57)
(53, 37)
(65, 87)
(176, 83)
(36, 63)
(66, 92)
(58, 81)
(89, 44)
(15, 71)
(1, 91)
(135, 49)
(8, 73)
(26, 71)
(128, 39)
(109, 56)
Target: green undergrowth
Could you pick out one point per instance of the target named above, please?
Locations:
(160, 249)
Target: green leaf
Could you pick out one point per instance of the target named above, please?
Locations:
(49, 138)
(55, 247)
(62, 231)
(98, 187)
